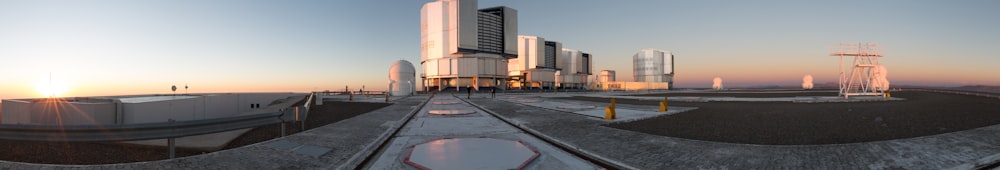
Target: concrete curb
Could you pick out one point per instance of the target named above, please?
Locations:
(617, 164)
(355, 161)
(980, 163)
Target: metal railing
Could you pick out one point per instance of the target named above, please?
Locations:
(165, 130)
(94, 133)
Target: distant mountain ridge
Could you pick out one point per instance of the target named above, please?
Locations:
(980, 88)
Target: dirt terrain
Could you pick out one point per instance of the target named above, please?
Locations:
(786, 123)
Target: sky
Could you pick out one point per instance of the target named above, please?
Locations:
(115, 47)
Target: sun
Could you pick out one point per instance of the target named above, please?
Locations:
(51, 89)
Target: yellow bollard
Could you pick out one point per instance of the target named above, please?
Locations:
(887, 95)
(609, 112)
(663, 105)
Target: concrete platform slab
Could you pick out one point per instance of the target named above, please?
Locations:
(426, 128)
(451, 112)
(313, 151)
(471, 153)
(455, 126)
(444, 102)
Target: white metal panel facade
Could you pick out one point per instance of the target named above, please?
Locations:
(464, 23)
(454, 40)
(510, 30)
(606, 76)
(652, 65)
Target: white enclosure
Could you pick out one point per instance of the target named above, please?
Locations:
(402, 78)
(135, 109)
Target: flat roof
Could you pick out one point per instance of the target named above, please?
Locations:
(145, 99)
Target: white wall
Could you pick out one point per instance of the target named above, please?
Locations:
(103, 111)
(652, 65)
(510, 30)
(544, 75)
(633, 86)
(464, 21)
(606, 76)
(11, 108)
(41, 111)
(527, 53)
(204, 107)
(160, 111)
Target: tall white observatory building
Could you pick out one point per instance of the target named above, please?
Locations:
(653, 65)
(606, 76)
(574, 67)
(465, 47)
(402, 78)
(535, 65)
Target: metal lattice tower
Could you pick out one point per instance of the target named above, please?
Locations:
(866, 77)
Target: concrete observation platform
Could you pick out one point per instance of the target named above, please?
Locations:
(575, 124)
(449, 134)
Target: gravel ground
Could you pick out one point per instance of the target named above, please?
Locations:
(740, 94)
(87, 153)
(786, 123)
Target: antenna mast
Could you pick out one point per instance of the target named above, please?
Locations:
(867, 77)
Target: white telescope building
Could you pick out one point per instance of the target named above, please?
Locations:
(465, 47)
(653, 65)
(402, 78)
(574, 68)
(535, 65)
(606, 76)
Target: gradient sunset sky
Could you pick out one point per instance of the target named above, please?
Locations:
(143, 47)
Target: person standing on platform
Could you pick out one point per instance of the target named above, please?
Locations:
(470, 92)
(493, 93)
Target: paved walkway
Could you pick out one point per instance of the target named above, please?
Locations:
(958, 150)
(427, 127)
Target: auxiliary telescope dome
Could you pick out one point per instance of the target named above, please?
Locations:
(402, 78)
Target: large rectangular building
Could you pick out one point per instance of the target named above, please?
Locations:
(606, 76)
(573, 69)
(535, 65)
(462, 47)
(653, 65)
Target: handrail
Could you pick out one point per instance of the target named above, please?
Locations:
(308, 105)
(95, 133)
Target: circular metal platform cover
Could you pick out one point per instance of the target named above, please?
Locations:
(444, 102)
(575, 107)
(527, 100)
(471, 153)
(451, 112)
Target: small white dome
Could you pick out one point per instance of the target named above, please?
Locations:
(402, 78)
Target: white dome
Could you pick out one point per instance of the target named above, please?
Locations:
(717, 83)
(807, 82)
(881, 82)
(402, 78)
